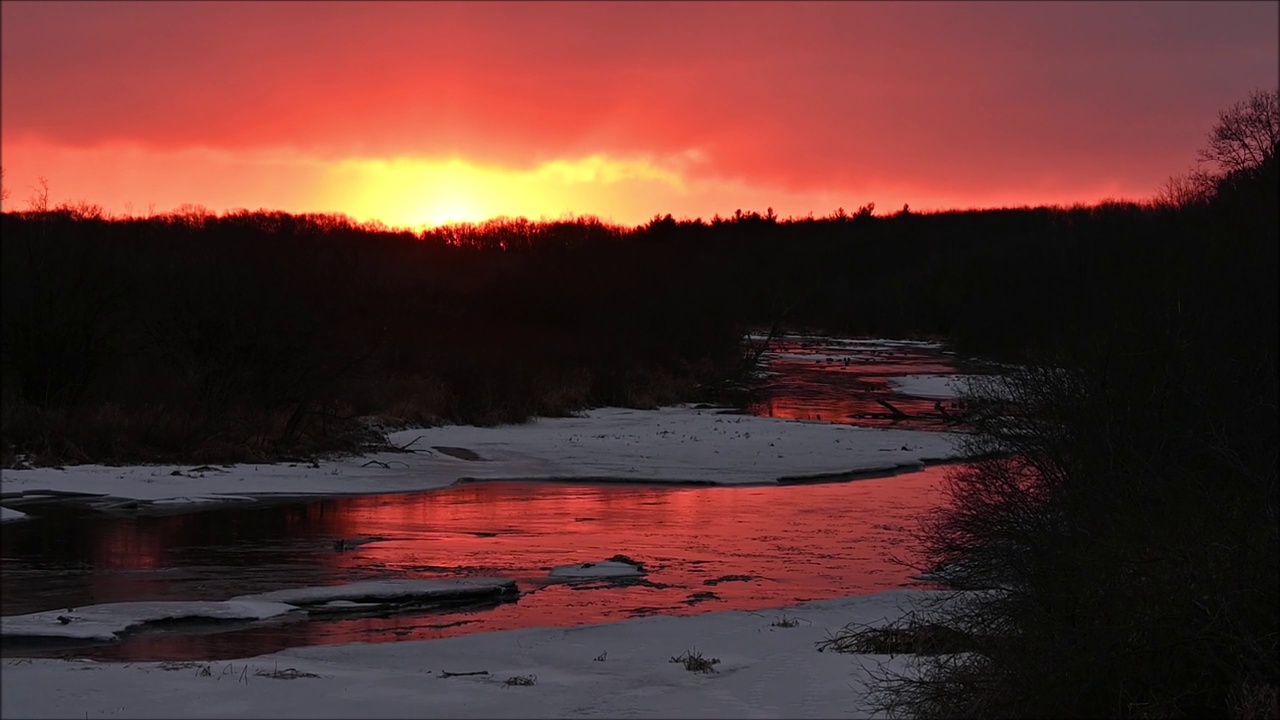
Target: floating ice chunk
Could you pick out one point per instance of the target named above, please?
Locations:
(109, 620)
(617, 566)
(11, 515)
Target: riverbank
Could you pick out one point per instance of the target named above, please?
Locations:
(757, 664)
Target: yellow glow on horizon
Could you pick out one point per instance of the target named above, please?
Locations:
(413, 192)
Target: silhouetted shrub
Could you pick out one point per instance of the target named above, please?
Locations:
(1119, 532)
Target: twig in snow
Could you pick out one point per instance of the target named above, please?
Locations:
(405, 447)
(447, 674)
(384, 465)
(286, 674)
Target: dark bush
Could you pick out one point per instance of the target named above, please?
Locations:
(1121, 531)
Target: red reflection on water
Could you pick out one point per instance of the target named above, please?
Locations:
(793, 544)
(841, 382)
(125, 548)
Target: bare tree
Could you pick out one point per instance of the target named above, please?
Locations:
(1244, 139)
(1247, 134)
(39, 200)
(1195, 185)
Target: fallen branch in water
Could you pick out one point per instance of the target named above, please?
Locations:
(896, 412)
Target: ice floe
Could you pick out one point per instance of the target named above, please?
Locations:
(615, 567)
(109, 620)
(383, 591)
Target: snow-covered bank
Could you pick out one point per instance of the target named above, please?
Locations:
(621, 669)
(10, 515)
(108, 621)
(679, 444)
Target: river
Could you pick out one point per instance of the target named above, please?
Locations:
(705, 548)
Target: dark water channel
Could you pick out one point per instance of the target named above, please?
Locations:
(706, 548)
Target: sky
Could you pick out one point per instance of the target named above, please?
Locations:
(422, 113)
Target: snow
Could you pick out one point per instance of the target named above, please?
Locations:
(601, 569)
(620, 669)
(381, 591)
(676, 444)
(940, 387)
(9, 515)
(109, 620)
(685, 445)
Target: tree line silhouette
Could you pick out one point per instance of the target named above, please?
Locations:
(221, 337)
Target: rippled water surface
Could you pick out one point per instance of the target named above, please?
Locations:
(706, 548)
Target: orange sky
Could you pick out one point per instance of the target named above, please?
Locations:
(429, 112)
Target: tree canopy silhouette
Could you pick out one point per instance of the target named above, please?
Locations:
(1247, 134)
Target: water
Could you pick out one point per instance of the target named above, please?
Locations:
(706, 548)
(846, 381)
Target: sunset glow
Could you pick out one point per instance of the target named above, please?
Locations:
(426, 113)
(411, 191)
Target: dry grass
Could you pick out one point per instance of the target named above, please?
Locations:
(646, 389)
(520, 680)
(402, 401)
(693, 661)
(561, 394)
(111, 434)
